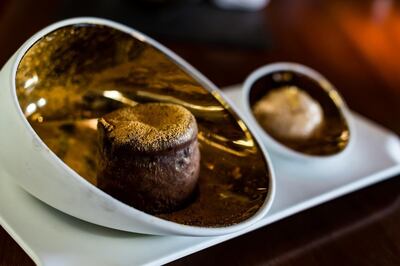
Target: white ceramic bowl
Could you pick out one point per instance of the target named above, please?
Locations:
(272, 143)
(40, 172)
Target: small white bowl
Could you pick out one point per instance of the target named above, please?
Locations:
(323, 83)
(40, 172)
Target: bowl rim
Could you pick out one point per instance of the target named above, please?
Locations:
(155, 222)
(324, 84)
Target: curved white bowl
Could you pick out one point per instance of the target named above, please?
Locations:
(268, 140)
(40, 172)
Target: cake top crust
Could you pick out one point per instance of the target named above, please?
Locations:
(149, 127)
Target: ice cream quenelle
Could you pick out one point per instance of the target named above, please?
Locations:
(289, 113)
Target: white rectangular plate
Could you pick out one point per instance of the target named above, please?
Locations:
(53, 238)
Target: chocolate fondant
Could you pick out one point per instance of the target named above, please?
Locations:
(149, 156)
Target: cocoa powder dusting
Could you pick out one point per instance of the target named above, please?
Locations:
(151, 126)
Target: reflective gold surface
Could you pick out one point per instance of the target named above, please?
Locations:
(78, 73)
(332, 136)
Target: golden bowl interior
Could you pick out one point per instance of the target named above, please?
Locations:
(76, 74)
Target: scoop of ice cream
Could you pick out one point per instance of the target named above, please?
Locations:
(289, 113)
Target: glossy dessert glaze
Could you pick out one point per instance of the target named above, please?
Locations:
(78, 74)
(149, 156)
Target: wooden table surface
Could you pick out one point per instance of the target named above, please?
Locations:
(355, 45)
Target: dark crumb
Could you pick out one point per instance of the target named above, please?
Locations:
(68, 128)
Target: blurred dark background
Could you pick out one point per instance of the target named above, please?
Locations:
(178, 20)
(355, 44)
